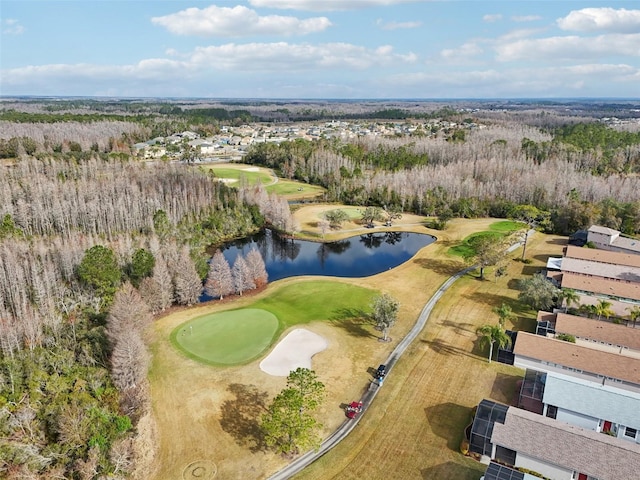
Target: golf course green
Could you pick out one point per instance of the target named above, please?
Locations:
(227, 338)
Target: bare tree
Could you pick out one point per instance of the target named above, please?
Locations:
(127, 313)
(187, 283)
(129, 361)
(242, 280)
(256, 265)
(121, 455)
(220, 279)
(157, 290)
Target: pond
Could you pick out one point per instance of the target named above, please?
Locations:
(359, 256)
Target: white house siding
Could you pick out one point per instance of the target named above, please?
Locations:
(577, 419)
(547, 469)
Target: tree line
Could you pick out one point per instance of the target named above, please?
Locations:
(488, 174)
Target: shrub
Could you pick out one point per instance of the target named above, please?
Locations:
(565, 337)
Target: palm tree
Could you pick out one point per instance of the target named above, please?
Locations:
(634, 314)
(603, 308)
(588, 310)
(505, 313)
(493, 334)
(568, 296)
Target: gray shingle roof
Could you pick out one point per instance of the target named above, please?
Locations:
(568, 446)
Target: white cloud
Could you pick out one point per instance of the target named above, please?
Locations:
(578, 80)
(327, 5)
(463, 53)
(569, 47)
(237, 21)
(285, 57)
(11, 26)
(397, 25)
(516, 34)
(601, 19)
(284, 70)
(492, 17)
(149, 69)
(526, 18)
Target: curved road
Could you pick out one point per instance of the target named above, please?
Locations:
(348, 425)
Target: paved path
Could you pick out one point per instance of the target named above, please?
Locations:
(343, 430)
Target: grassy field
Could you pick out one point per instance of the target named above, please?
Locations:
(496, 230)
(227, 338)
(232, 172)
(414, 428)
(205, 413)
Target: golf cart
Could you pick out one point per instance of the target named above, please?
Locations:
(353, 409)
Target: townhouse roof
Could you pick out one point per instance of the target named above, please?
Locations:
(607, 332)
(600, 269)
(627, 243)
(598, 401)
(604, 256)
(577, 357)
(600, 285)
(546, 316)
(603, 230)
(585, 451)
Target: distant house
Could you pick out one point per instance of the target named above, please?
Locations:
(189, 135)
(609, 239)
(599, 275)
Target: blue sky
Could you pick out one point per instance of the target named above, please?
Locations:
(346, 49)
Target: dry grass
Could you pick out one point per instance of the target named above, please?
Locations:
(414, 427)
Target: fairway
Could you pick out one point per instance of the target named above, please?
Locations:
(496, 231)
(227, 338)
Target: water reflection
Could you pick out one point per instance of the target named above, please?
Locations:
(358, 256)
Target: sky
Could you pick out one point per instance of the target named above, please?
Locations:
(321, 49)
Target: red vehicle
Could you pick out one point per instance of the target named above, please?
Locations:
(353, 409)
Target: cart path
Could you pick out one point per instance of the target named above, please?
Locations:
(345, 428)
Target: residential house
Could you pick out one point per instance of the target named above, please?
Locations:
(590, 386)
(599, 275)
(609, 239)
(514, 438)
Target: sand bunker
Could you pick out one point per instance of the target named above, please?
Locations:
(295, 350)
(251, 169)
(227, 180)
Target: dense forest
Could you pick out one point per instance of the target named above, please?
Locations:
(94, 242)
(88, 252)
